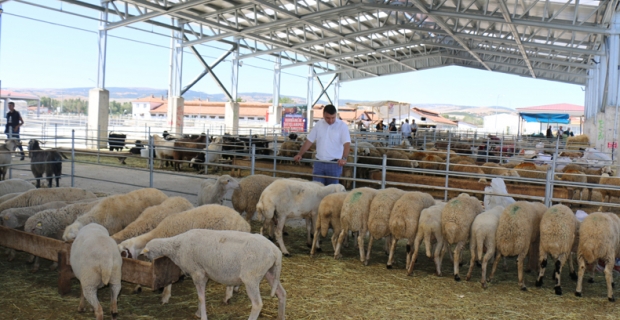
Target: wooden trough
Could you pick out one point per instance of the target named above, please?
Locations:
(121, 156)
(463, 183)
(155, 275)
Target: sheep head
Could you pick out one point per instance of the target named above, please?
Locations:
(71, 231)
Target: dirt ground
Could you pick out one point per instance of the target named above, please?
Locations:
(317, 288)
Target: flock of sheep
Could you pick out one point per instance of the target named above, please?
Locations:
(147, 222)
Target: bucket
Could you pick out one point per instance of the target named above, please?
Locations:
(144, 153)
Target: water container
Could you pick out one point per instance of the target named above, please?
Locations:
(144, 153)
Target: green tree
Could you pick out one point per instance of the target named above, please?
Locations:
(283, 100)
(240, 100)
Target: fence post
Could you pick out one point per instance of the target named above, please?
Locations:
(72, 158)
(97, 142)
(354, 163)
(150, 160)
(55, 135)
(275, 153)
(501, 149)
(383, 171)
(207, 153)
(250, 138)
(253, 159)
(445, 195)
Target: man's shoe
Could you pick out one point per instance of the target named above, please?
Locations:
(22, 158)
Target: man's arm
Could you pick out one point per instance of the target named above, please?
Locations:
(303, 150)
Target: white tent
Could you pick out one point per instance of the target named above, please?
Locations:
(385, 110)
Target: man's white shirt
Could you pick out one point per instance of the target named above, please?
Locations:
(330, 139)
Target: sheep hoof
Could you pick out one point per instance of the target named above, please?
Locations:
(457, 278)
(558, 290)
(160, 290)
(288, 255)
(591, 280)
(365, 262)
(114, 315)
(573, 276)
(389, 266)
(319, 250)
(539, 282)
(612, 299)
(524, 288)
(181, 278)
(577, 294)
(309, 245)
(467, 278)
(484, 285)
(34, 270)
(478, 264)
(137, 290)
(285, 233)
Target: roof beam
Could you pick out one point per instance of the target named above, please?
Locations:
(516, 35)
(522, 22)
(446, 28)
(153, 14)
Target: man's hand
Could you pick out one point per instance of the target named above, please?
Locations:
(342, 162)
(297, 158)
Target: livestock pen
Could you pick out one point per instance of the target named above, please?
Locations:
(320, 287)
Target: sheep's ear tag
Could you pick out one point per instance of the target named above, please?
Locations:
(145, 250)
(39, 224)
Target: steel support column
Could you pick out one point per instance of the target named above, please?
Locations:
(274, 117)
(103, 39)
(309, 96)
(99, 98)
(231, 109)
(175, 99)
(235, 72)
(324, 89)
(337, 91)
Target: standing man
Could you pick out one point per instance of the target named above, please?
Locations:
(392, 127)
(13, 122)
(414, 127)
(406, 129)
(332, 147)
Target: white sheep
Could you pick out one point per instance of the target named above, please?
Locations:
(456, 219)
(40, 196)
(6, 156)
(163, 149)
(245, 198)
(292, 198)
(96, 262)
(404, 219)
(518, 234)
(328, 215)
(501, 199)
(558, 227)
(379, 218)
(483, 237)
(9, 196)
(212, 216)
(15, 186)
(117, 211)
(16, 218)
(429, 229)
(599, 238)
(151, 217)
(213, 190)
(228, 257)
(354, 217)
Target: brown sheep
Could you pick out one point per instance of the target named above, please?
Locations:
(465, 166)
(431, 162)
(399, 159)
(532, 171)
(574, 176)
(187, 149)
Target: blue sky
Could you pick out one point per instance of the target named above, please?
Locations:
(36, 54)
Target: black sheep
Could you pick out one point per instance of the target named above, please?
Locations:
(44, 161)
(116, 141)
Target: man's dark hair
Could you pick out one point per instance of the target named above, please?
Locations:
(13, 103)
(330, 109)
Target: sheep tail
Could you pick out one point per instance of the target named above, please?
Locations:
(427, 242)
(106, 271)
(276, 270)
(450, 231)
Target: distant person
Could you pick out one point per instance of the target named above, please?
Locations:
(549, 133)
(380, 126)
(405, 129)
(332, 147)
(13, 122)
(414, 127)
(560, 132)
(568, 133)
(392, 127)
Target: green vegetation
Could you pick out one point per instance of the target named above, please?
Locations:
(283, 100)
(464, 116)
(81, 106)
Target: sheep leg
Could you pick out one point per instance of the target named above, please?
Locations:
(360, 243)
(414, 255)
(498, 256)
(229, 294)
(115, 289)
(485, 262)
(82, 305)
(279, 238)
(280, 293)
(315, 241)
(457, 259)
(12, 254)
(90, 293)
(54, 266)
(334, 238)
(571, 267)
(201, 284)
(581, 262)
(391, 255)
(609, 265)
(257, 302)
(558, 271)
(542, 261)
(472, 261)
(440, 251)
(337, 254)
(370, 240)
(520, 262)
(36, 264)
(309, 232)
(165, 296)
